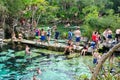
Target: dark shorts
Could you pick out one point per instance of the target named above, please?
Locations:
(95, 61)
(69, 37)
(42, 38)
(93, 44)
(77, 39)
(36, 34)
(109, 37)
(56, 37)
(48, 35)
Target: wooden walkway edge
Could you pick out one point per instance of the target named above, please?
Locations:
(51, 46)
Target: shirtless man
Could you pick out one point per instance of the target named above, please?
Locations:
(77, 36)
(43, 35)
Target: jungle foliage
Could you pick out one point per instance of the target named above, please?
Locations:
(89, 14)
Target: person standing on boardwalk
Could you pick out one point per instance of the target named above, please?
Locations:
(36, 33)
(77, 34)
(48, 36)
(43, 35)
(56, 36)
(70, 34)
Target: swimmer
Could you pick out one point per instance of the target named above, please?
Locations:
(39, 71)
(34, 77)
(27, 50)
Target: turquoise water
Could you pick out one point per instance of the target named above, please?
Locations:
(53, 67)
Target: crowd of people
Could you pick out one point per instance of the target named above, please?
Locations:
(97, 41)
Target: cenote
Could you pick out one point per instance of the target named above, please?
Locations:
(14, 66)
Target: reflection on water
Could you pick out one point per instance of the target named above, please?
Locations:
(15, 67)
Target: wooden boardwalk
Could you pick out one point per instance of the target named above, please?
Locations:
(58, 47)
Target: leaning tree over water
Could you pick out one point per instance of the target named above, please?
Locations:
(103, 59)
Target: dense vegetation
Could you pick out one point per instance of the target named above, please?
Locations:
(90, 14)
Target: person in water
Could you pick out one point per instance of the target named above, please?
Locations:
(34, 77)
(39, 71)
(27, 51)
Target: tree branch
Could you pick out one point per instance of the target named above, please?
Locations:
(103, 59)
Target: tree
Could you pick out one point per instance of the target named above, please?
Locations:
(103, 59)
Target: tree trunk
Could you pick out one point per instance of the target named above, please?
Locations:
(38, 19)
(103, 59)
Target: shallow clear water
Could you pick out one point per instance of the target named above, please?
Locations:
(53, 67)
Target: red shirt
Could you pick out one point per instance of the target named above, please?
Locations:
(93, 37)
